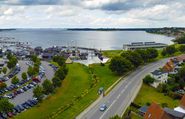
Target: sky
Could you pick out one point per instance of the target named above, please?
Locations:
(91, 13)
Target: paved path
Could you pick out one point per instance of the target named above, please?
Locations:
(122, 95)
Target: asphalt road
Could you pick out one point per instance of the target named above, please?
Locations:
(120, 97)
(21, 98)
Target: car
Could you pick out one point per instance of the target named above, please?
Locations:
(103, 107)
(10, 114)
(26, 106)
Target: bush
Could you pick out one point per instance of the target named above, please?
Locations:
(148, 80)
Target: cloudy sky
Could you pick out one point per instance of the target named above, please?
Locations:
(91, 13)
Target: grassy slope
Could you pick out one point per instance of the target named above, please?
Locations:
(73, 85)
(150, 94)
(112, 53)
(76, 82)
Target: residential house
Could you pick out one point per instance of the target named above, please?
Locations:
(174, 114)
(156, 112)
(180, 58)
(181, 107)
(143, 110)
(159, 76)
(169, 67)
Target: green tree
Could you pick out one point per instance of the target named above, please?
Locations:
(15, 80)
(134, 57)
(5, 105)
(180, 40)
(152, 53)
(2, 85)
(181, 73)
(38, 93)
(120, 65)
(169, 50)
(31, 71)
(60, 60)
(61, 73)
(4, 70)
(12, 62)
(24, 76)
(143, 54)
(148, 80)
(34, 58)
(56, 82)
(182, 48)
(47, 87)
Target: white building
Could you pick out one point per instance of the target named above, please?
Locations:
(159, 76)
(181, 107)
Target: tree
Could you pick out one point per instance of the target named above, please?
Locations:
(4, 70)
(120, 65)
(2, 85)
(180, 40)
(47, 87)
(181, 73)
(169, 50)
(12, 62)
(148, 80)
(24, 76)
(31, 71)
(61, 73)
(38, 93)
(56, 82)
(15, 80)
(143, 54)
(5, 105)
(134, 57)
(182, 48)
(60, 60)
(152, 53)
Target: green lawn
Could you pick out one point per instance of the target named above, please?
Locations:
(135, 116)
(150, 94)
(112, 53)
(78, 80)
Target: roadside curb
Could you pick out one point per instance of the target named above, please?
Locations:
(89, 108)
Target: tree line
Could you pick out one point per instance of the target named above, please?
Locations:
(48, 86)
(129, 60)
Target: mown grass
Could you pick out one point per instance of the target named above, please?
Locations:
(112, 53)
(148, 94)
(79, 79)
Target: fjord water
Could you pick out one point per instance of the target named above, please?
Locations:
(105, 40)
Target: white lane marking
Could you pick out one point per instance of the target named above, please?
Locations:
(107, 109)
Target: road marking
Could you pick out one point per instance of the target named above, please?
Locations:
(107, 109)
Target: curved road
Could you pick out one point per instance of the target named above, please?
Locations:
(122, 95)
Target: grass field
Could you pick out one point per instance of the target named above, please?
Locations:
(78, 80)
(150, 94)
(112, 53)
(135, 116)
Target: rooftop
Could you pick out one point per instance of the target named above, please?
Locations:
(157, 72)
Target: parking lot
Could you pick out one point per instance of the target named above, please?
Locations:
(28, 94)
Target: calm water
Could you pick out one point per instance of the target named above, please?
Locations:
(105, 40)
